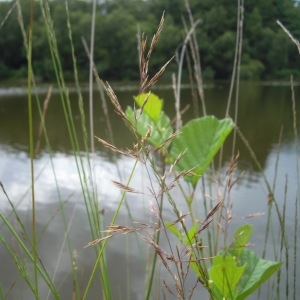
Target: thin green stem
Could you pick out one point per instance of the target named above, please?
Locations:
(297, 198)
(90, 201)
(105, 240)
(40, 268)
(31, 150)
(240, 21)
(160, 204)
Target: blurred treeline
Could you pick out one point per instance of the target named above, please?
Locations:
(267, 51)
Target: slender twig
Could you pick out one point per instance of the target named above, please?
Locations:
(296, 42)
(8, 14)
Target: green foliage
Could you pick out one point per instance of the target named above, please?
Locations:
(238, 272)
(151, 104)
(267, 49)
(160, 130)
(150, 118)
(225, 275)
(185, 238)
(201, 138)
(240, 239)
(257, 271)
(222, 54)
(235, 273)
(251, 69)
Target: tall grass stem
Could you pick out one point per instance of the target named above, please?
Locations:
(91, 89)
(182, 54)
(239, 58)
(297, 198)
(31, 150)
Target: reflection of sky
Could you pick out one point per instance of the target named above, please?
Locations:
(249, 196)
(15, 175)
(62, 173)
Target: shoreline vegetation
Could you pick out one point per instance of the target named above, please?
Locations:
(184, 158)
(267, 51)
(19, 87)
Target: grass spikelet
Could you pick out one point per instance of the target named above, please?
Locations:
(125, 188)
(97, 241)
(144, 59)
(179, 220)
(167, 141)
(112, 147)
(177, 160)
(118, 109)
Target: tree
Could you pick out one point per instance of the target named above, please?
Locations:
(267, 52)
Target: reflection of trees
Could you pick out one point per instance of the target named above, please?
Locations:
(14, 123)
(263, 110)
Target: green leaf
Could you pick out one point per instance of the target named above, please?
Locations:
(257, 271)
(172, 227)
(202, 138)
(187, 240)
(240, 238)
(195, 266)
(153, 105)
(190, 238)
(161, 129)
(225, 275)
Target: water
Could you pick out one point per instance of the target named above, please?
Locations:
(265, 110)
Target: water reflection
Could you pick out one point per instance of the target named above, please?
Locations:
(50, 225)
(263, 111)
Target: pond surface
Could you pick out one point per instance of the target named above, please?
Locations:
(266, 120)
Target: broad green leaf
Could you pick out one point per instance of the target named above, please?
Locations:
(257, 271)
(153, 105)
(240, 238)
(202, 138)
(225, 275)
(161, 129)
